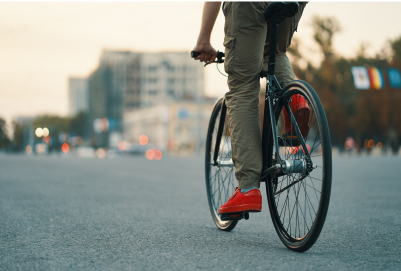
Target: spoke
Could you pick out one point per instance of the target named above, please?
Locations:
(281, 185)
(313, 122)
(291, 184)
(317, 198)
(305, 210)
(315, 147)
(305, 224)
(315, 178)
(299, 189)
(308, 204)
(297, 217)
(284, 206)
(313, 188)
(216, 182)
(227, 196)
(224, 187)
(288, 210)
(219, 200)
(214, 176)
(315, 139)
(295, 205)
(311, 203)
(216, 187)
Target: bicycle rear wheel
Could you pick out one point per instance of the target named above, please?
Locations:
(220, 178)
(298, 202)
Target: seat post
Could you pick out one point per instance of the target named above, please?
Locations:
(273, 46)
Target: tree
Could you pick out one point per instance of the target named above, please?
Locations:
(18, 136)
(395, 46)
(324, 29)
(4, 140)
(363, 114)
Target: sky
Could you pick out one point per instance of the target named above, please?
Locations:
(43, 43)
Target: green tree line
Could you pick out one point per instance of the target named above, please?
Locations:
(70, 125)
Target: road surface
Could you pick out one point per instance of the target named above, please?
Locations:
(128, 213)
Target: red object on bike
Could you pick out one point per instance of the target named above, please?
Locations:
(301, 111)
(250, 201)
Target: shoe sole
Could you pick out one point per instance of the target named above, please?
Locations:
(251, 208)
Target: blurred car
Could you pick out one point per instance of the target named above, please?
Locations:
(137, 148)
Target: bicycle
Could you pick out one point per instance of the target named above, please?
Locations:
(297, 169)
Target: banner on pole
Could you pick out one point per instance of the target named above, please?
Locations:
(376, 78)
(361, 77)
(394, 77)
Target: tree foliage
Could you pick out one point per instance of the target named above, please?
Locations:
(73, 125)
(324, 30)
(362, 114)
(4, 139)
(18, 138)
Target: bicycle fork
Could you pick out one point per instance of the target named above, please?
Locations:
(219, 134)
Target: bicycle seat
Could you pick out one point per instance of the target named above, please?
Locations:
(280, 10)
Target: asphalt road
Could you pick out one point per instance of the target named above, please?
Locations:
(133, 214)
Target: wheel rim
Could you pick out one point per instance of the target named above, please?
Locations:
(221, 179)
(297, 198)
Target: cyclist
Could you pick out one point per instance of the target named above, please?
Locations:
(247, 48)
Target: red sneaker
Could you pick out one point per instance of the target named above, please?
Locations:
(250, 201)
(301, 111)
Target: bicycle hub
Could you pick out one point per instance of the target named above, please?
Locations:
(294, 166)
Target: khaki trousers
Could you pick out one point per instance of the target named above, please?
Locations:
(247, 49)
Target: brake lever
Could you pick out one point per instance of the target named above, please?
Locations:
(207, 63)
(219, 57)
(218, 62)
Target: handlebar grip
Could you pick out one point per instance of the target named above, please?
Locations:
(195, 54)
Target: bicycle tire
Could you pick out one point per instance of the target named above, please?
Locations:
(220, 182)
(294, 188)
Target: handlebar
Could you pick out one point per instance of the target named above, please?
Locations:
(219, 57)
(195, 54)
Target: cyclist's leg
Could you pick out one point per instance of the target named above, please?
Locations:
(284, 72)
(245, 34)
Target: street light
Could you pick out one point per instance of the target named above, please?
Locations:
(45, 132)
(39, 132)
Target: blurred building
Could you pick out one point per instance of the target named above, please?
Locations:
(78, 95)
(125, 81)
(179, 127)
(168, 77)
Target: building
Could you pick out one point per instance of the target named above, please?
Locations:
(168, 77)
(78, 95)
(125, 81)
(179, 127)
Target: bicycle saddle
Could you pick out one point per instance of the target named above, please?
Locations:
(277, 10)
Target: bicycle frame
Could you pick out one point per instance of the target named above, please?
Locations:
(273, 95)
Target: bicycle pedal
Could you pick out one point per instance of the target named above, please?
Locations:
(288, 141)
(234, 216)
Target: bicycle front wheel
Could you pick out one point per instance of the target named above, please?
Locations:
(220, 179)
(298, 202)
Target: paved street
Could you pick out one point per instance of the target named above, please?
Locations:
(128, 213)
